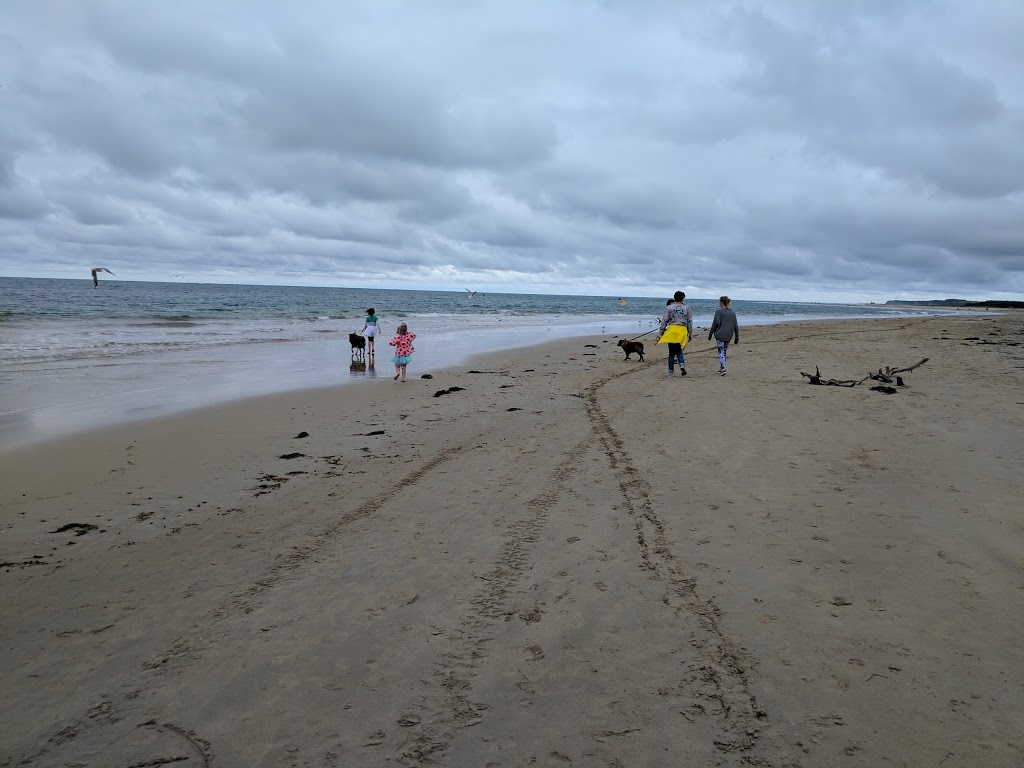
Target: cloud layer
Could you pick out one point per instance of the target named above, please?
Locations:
(855, 151)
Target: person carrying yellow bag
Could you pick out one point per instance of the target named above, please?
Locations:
(676, 329)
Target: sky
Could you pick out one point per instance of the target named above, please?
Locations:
(862, 150)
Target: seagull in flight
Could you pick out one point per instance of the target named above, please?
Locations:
(471, 293)
(95, 275)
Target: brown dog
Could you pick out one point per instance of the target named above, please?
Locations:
(629, 347)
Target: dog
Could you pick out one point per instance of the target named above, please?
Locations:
(629, 347)
(358, 346)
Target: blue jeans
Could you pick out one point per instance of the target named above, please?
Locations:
(675, 351)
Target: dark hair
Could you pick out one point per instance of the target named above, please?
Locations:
(679, 296)
(724, 300)
(669, 302)
(402, 329)
(369, 311)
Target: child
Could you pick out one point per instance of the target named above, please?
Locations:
(403, 350)
(370, 331)
(723, 328)
(676, 329)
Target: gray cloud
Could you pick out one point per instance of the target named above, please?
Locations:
(771, 150)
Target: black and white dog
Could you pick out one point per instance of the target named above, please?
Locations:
(358, 347)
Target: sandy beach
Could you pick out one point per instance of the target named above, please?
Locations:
(568, 560)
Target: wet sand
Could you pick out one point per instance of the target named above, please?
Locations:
(571, 560)
(46, 401)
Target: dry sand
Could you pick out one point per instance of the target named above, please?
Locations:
(573, 561)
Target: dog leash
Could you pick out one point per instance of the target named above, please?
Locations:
(644, 334)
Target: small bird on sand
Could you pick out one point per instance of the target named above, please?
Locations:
(95, 275)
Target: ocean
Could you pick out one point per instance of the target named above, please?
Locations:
(75, 357)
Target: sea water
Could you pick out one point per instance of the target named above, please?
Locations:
(75, 357)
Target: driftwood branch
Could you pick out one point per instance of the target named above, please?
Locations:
(922, 361)
(886, 376)
(816, 379)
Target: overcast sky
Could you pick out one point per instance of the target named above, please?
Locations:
(859, 150)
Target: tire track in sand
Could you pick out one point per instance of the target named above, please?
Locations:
(715, 682)
(92, 733)
(247, 600)
(448, 706)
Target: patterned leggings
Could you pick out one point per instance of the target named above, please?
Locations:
(723, 347)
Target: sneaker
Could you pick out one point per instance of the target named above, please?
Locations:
(682, 371)
(722, 372)
(671, 374)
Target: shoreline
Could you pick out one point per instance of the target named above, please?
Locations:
(177, 383)
(569, 553)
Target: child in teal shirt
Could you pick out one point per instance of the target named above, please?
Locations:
(370, 332)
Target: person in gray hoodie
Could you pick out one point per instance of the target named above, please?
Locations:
(724, 328)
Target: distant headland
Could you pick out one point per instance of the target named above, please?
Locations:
(993, 304)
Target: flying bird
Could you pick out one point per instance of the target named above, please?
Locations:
(471, 293)
(95, 275)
